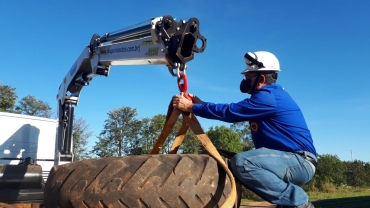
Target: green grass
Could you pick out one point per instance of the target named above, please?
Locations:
(337, 197)
(339, 193)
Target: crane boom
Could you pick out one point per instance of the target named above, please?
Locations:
(159, 41)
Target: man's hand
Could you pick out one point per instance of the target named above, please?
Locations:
(183, 104)
(195, 99)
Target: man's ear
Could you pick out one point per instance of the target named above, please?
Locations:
(262, 79)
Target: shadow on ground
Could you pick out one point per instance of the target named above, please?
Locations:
(351, 202)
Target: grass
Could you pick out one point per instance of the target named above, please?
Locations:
(339, 193)
(338, 197)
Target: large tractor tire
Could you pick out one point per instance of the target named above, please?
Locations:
(172, 180)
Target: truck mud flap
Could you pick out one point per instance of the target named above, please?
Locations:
(173, 180)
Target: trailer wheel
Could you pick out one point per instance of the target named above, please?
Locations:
(177, 180)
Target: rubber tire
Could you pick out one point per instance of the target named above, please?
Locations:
(172, 180)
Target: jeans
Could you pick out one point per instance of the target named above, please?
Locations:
(274, 175)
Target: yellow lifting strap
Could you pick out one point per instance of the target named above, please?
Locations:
(190, 121)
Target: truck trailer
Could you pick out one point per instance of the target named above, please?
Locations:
(27, 154)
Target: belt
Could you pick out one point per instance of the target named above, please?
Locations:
(311, 160)
(308, 158)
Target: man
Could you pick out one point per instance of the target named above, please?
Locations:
(284, 156)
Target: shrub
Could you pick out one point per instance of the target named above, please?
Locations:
(327, 187)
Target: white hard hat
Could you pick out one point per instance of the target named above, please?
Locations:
(261, 61)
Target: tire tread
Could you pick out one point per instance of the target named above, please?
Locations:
(138, 181)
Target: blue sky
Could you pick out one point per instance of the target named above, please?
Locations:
(323, 48)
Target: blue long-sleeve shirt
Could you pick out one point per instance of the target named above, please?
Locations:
(275, 119)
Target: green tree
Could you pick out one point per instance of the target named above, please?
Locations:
(81, 133)
(244, 132)
(367, 174)
(356, 173)
(191, 144)
(7, 98)
(120, 135)
(225, 138)
(30, 105)
(330, 170)
(148, 137)
(152, 128)
(105, 147)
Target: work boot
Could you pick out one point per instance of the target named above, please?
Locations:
(307, 205)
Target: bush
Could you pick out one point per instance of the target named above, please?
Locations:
(327, 187)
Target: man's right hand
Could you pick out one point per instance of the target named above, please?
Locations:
(182, 103)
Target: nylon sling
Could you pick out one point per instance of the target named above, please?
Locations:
(190, 121)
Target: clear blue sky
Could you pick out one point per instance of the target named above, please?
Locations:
(323, 48)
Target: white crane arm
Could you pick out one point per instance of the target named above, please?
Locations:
(161, 40)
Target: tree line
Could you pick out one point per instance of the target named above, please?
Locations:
(124, 133)
(332, 173)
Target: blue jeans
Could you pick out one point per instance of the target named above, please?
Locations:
(274, 175)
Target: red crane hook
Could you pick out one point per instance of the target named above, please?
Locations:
(183, 87)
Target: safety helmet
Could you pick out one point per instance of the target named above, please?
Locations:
(261, 61)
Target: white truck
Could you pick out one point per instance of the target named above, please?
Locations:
(27, 153)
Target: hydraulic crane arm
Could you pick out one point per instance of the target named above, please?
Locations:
(160, 40)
